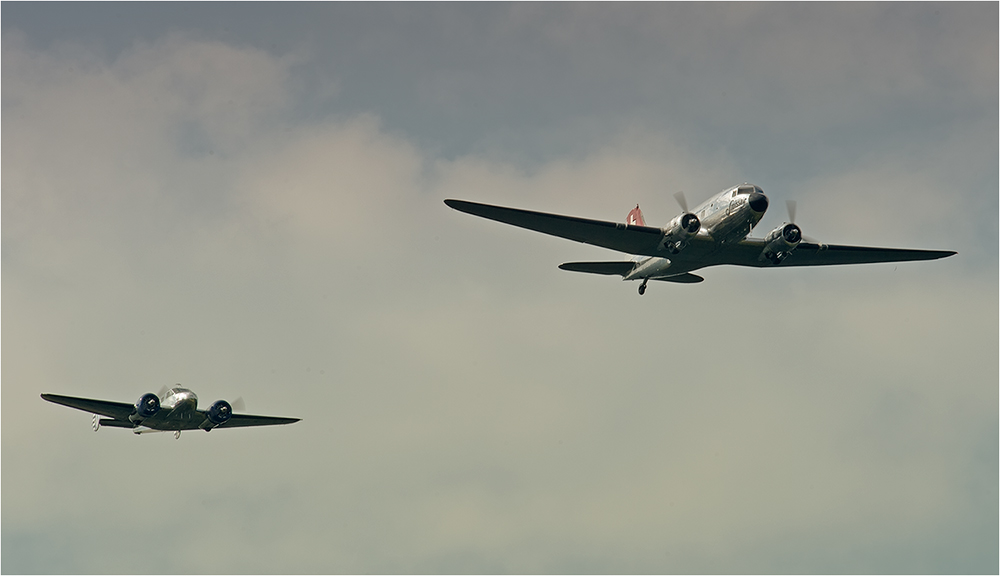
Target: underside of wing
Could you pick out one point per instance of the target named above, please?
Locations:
(116, 410)
(613, 235)
(748, 253)
(240, 420)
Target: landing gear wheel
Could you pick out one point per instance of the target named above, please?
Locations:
(642, 288)
(177, 435)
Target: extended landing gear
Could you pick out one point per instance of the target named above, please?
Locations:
(642, 287)
(177, 435)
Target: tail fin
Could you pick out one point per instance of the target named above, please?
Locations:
(634, 217)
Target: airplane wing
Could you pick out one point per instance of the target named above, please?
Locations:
(747, 253)
(116, 410)
(240, 420)
(614, 235)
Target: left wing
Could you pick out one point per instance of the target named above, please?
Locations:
(116, 410)
(747, 253)
(614, 235)
(240, 420)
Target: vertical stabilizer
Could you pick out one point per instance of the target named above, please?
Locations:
(634, 217)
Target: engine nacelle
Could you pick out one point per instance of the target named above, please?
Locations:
(679, 231)
(780, 242)
(217, 415)
(145, 407)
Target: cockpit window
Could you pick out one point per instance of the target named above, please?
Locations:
(748, 189)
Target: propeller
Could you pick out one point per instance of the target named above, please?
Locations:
(791, 206)
(682, 201)
(238, 405)
(163, 392)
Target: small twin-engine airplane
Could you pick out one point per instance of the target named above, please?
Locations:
(715, 233)
(178, 411)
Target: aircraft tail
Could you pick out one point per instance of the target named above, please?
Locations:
(635, 218)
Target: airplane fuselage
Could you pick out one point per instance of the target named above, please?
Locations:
(726, 218)
(178, 409)
(730, 215)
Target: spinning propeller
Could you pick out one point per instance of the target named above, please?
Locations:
(682, 201)
(790, 205)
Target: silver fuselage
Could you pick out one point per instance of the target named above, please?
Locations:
(726, 218)
(178, 409)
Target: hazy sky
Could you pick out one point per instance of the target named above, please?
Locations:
(247, 199)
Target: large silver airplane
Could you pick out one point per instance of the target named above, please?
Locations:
(714, 233)
(177, 411)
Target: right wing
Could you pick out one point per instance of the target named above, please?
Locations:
(614, 235)
(116, 410)
(239, 420)
(747, 253)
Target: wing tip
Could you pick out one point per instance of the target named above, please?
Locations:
(938, 254)
(459, 205)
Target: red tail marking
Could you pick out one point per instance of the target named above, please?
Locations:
(634, 217)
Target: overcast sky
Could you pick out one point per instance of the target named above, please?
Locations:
(247, 199)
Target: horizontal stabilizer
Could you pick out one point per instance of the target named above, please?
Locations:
(607, 268)
(116, 423)
(623, 268)
(686, 278)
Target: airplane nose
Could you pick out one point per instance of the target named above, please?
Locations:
(758, 202)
